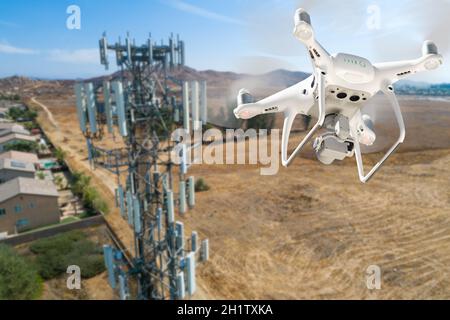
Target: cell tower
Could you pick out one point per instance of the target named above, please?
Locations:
(145, 110)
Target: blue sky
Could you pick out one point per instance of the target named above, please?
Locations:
(228, 35)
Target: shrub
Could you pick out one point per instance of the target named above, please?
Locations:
(100, 205)
(60, 155)
(201, 185)
(40, 175)
(17, 113)
(59, 242)
(79, 182)
(19, 279)
(30, 125)
(59, 182)
(11, 97)
(24, 146)
(55, 254)
(91, 265)
(80, 185)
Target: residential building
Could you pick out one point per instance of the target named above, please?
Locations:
(11, 169)
(8, 128)
(27, 204)
(20, 156)
(3, 113)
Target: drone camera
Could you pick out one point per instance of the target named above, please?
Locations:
(354, 98)
(329, 148)
(341, 95)
(334, 144)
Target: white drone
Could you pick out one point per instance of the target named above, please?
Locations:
(339, 86)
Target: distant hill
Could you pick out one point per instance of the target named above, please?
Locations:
(219, 83)
(422, 89)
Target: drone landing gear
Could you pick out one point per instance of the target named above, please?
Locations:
(289, 116)
(389, 92)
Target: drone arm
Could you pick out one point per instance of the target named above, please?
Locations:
(296, 97)
(289, 116)
(320, 58)
(304, 32)
(398, 114)
(394, 71)
(291, 101)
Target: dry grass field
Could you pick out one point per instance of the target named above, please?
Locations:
(311, 231)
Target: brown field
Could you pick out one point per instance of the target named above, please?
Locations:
(311, 231)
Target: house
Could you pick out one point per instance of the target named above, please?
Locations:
(20, 156)
(3, 113)
(11, 169)
(27, 204)
(3, 120)
(10, 104)
(8, 128)
(14, 137)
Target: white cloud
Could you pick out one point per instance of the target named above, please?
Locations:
(7, 48)
(189, 8)
(79, 56)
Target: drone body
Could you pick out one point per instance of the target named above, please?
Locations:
(335, 94)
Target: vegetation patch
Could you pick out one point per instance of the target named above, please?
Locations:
(60, 155)
(53, 255)
(201, 185)
(81, 186)
(11, 97)
(21, 114)
(23, 146)
(19, 279)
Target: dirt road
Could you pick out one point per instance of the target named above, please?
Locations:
(49, 115)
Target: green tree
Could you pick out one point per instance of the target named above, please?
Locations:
(19, 280)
